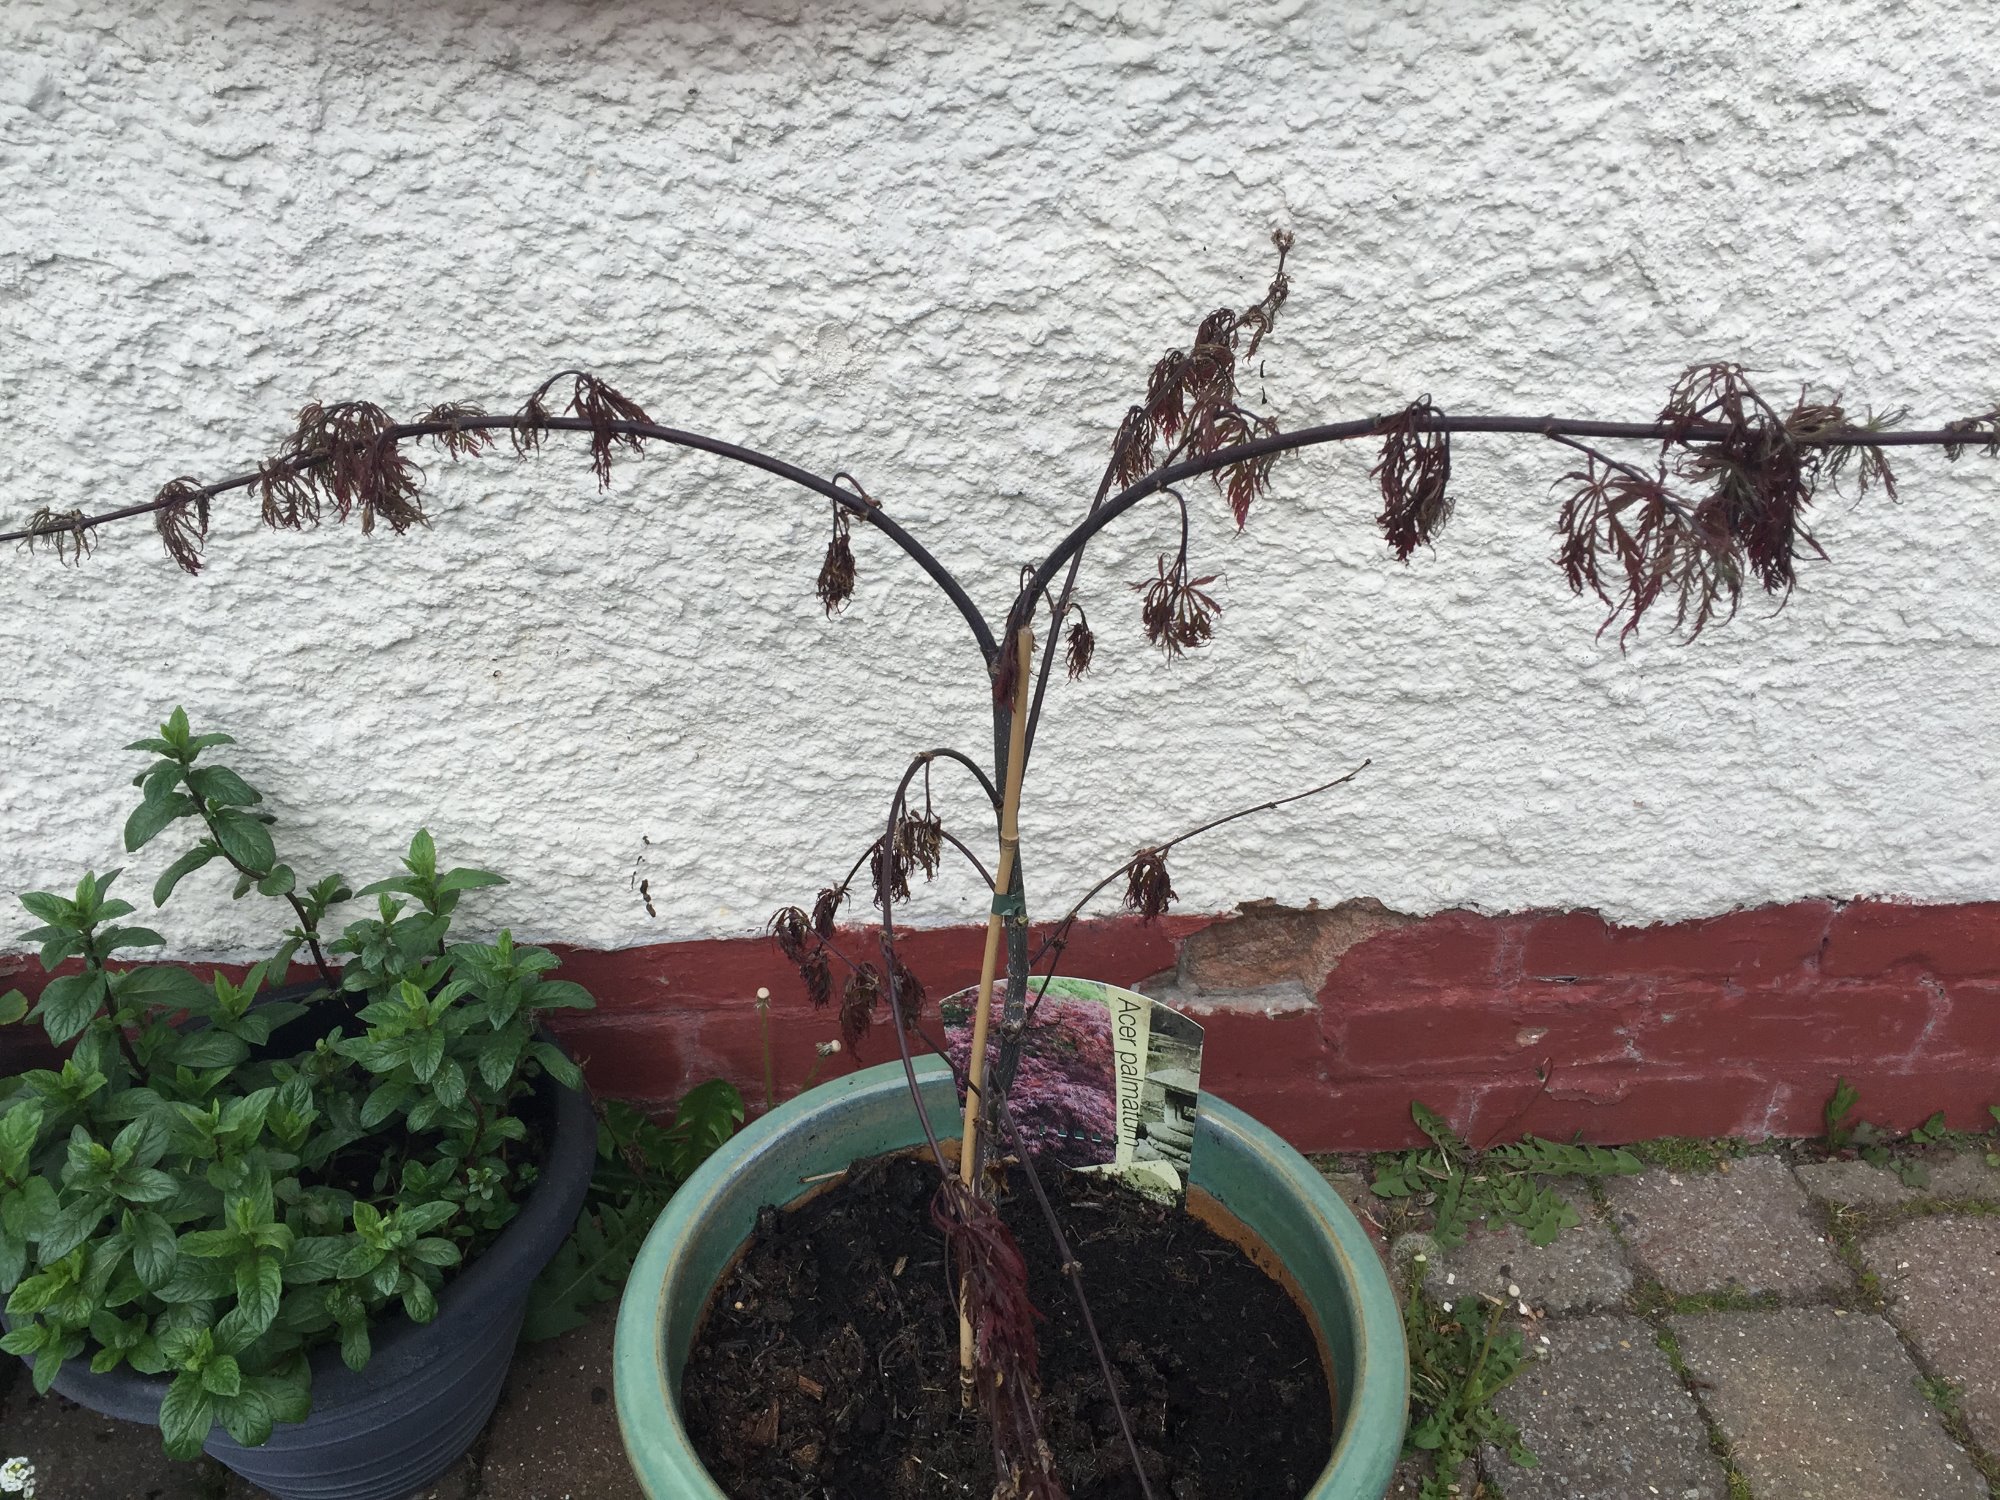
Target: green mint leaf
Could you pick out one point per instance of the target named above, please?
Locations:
(186, 1415)
(221, 787)
(154, 814)
(246, 841)
(187, 864)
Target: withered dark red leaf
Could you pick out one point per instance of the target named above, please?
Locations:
(596, 403)
(345, 453)
(182, 521)
(1081, 647)
(858, 999)
(835, 585)
(63, 530)
(1414, 474)
(816, 969)
(920, 842)
(888, 869)
(1006, 1364)
(1986, 425)
(826, 907)
(792, 932)
(909, 991)
(1177, 613)
(1148, 889)
(291, 502)
(457, 440)
(1191, 400)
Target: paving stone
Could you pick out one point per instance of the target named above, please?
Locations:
(1605, 1415)
(1582, 1270)
(1954, 1175)
(1408, 1480)
(79, 1455)
(1745, 1230)
(556, 1432)
(1941, 1277)
(1964, 1175)
(1821, 1405)
(1854, 1183)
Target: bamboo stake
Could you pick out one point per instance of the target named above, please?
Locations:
(1003, 875)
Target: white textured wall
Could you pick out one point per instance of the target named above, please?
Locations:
(939, 244)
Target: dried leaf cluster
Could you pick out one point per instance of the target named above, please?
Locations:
(1191, 408)
(1413, 472)
(591, 400)
(1713, 511)
(1149, 890)
(808, 941)
(1178, 613)
(182, 521)
(345, 455)
(458, 439)
(64, 530)
(1983, 429)
(1080, 646)
(836, 575)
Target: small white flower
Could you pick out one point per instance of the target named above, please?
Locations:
(1446, 1306)
(17, 1477)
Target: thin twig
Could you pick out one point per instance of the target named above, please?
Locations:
(1069, 917)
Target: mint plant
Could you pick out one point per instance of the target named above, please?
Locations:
(202, 1191)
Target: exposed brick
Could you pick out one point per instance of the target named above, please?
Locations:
(1873, 937)
(1691, 1023)
(1267, 944)
(1752, 944)
(1482, 1031)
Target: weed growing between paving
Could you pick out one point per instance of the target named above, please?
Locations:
(1459, 1360)
(1847, 1135)
(1461, 1186)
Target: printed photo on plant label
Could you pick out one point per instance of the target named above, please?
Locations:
(1109, 1080)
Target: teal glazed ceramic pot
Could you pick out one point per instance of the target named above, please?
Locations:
(1309, 1238)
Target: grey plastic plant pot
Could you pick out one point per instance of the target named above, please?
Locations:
(415, 1408)
(1272, 1190)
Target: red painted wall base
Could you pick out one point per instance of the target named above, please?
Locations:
(1325, 1023)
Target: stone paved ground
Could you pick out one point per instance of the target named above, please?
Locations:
(1774, 1330)
(1750, 1328)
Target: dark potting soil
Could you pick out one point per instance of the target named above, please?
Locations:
(827, 1368)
